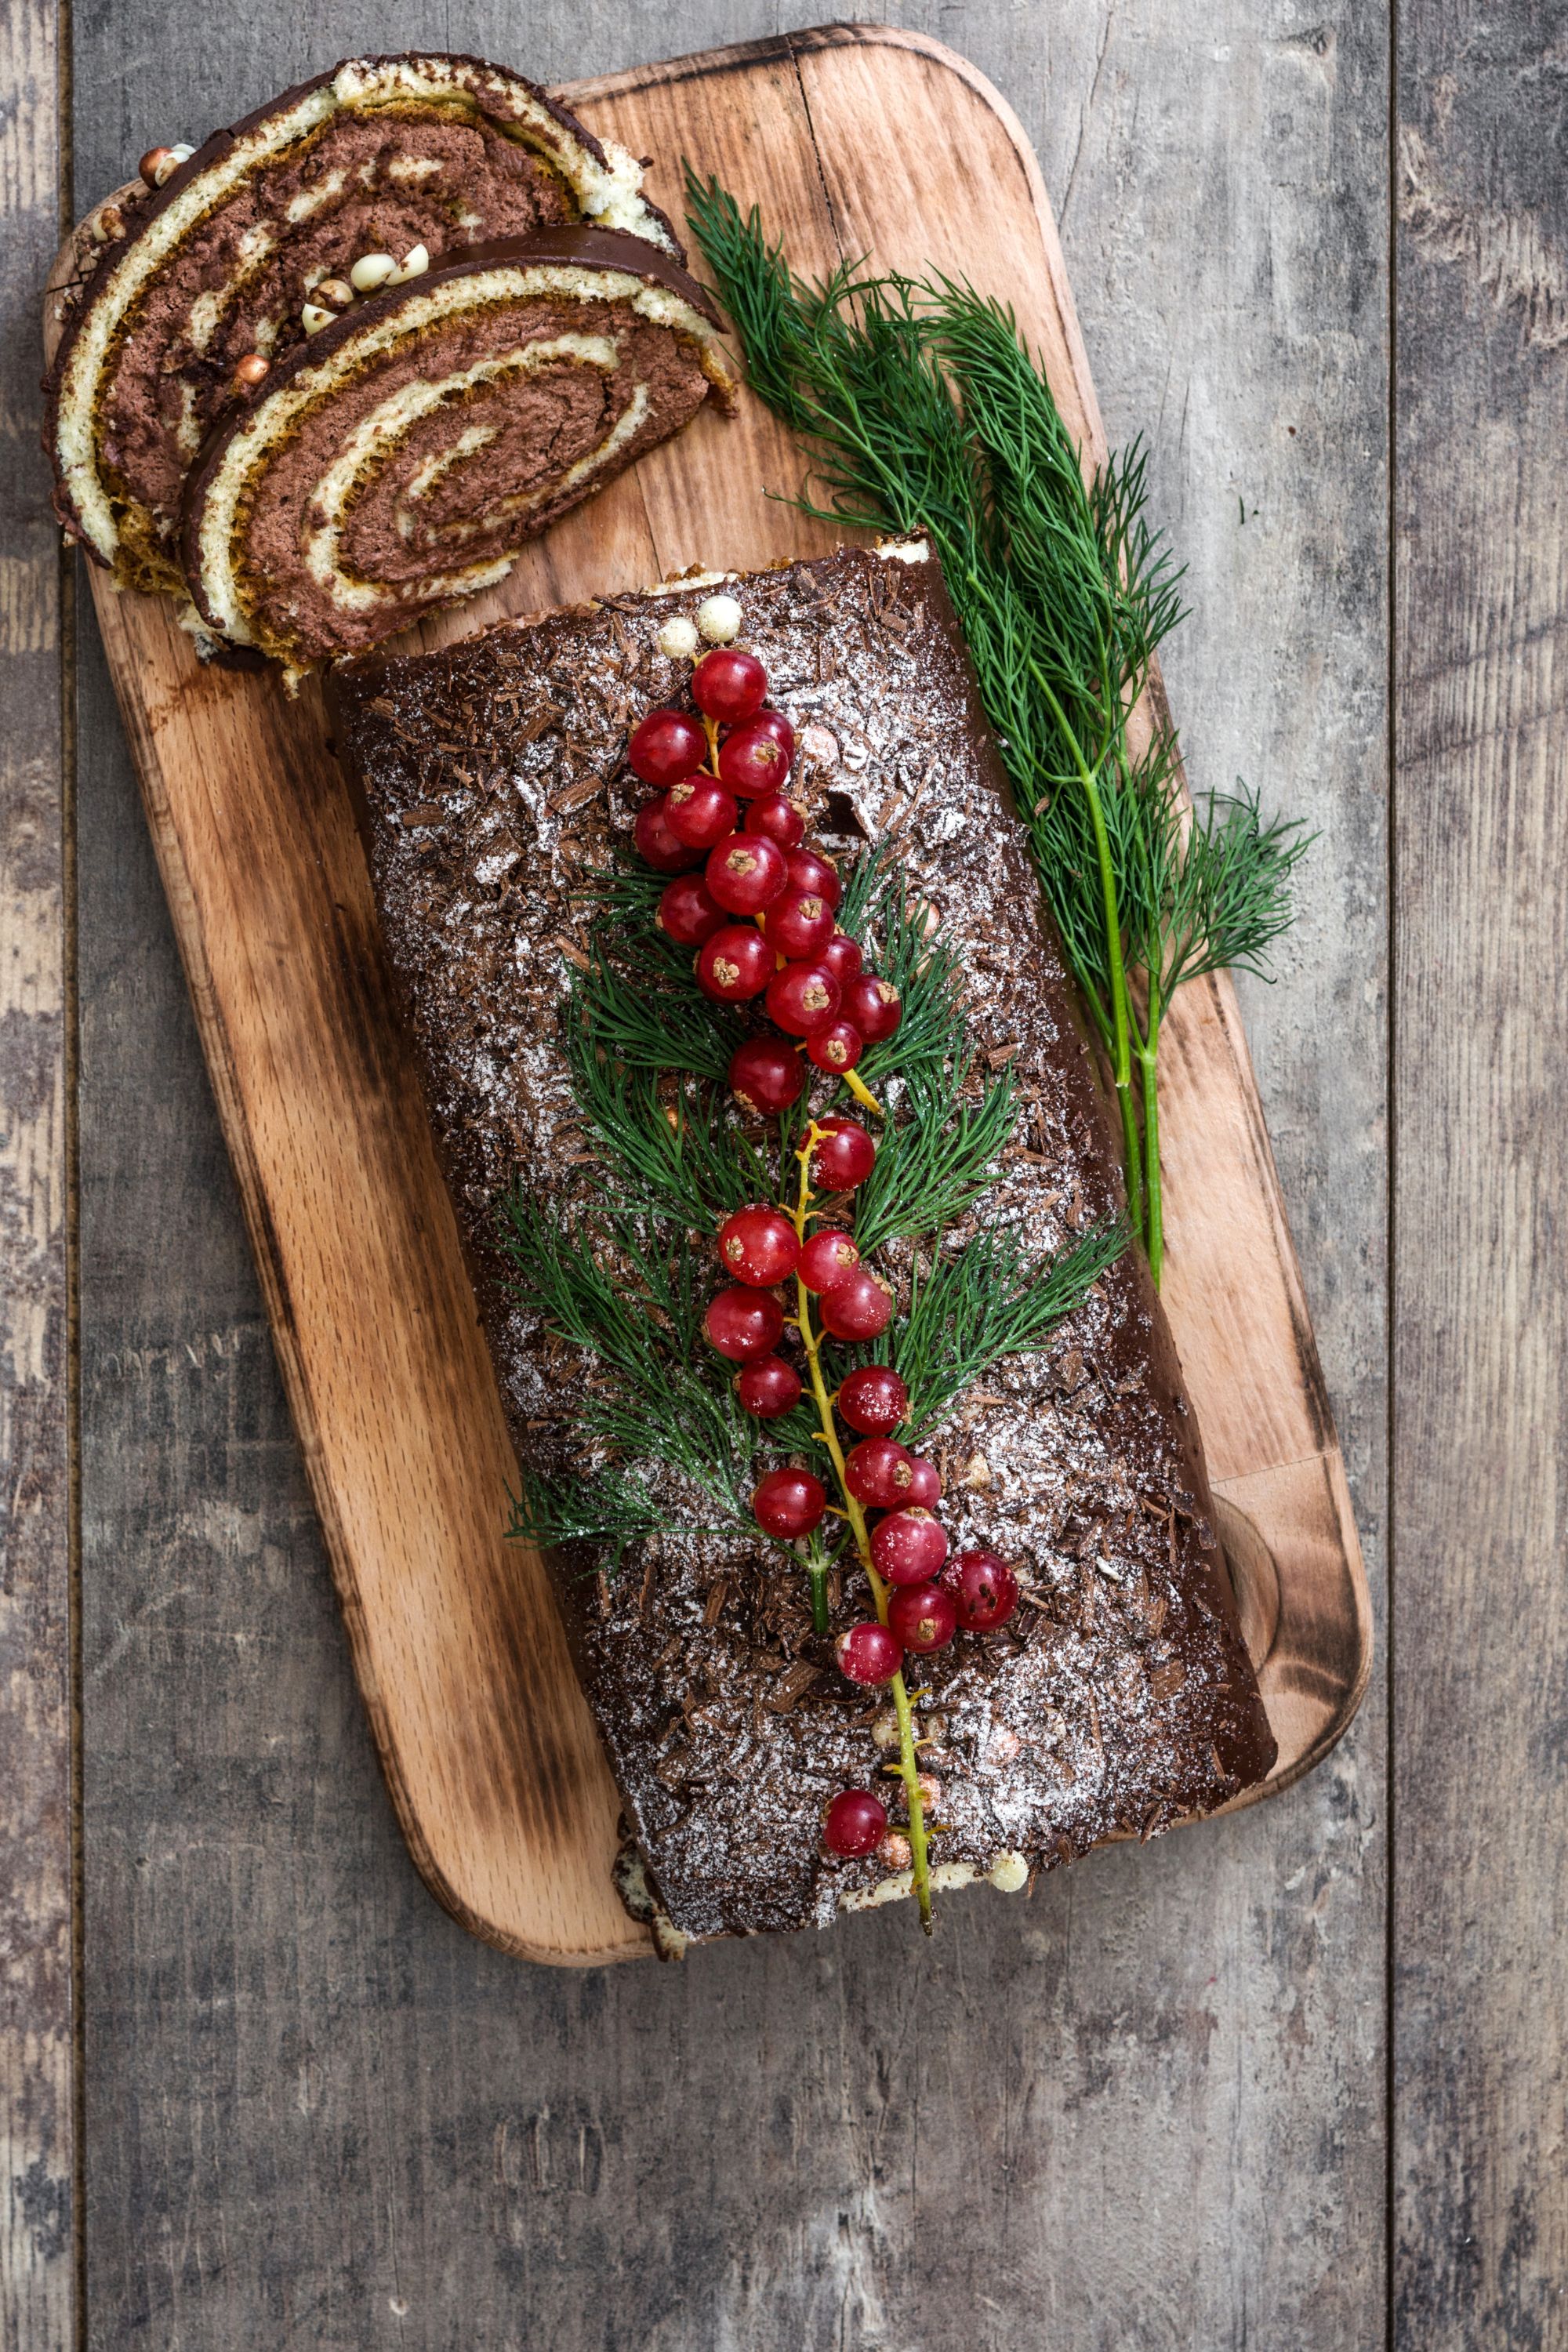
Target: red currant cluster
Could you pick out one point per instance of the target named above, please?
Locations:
(761, 915)
(815, 991)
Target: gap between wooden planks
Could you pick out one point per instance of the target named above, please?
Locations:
(854, 140)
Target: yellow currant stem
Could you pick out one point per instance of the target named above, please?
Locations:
(909, 1766)
(862, 1092)
(710, 728)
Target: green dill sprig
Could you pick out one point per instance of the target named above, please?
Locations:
(929, 978)
(628, 896)
(635, 1304)
(638, 1001)
(987, 1301)
(1203, 898)
(675, 1147)
(606, 1508)
(927, 413)
(932, 1163)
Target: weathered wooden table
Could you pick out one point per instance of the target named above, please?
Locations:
(1295, 2080)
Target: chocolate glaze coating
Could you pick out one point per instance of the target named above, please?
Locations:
(1120, 1699)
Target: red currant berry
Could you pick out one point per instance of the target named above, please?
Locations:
(925, 1483)
(843, 1157)
(985, 1590)
(838, 1047)
(869, 1654)
(768, 1387)
(774, 723)
(874, 1399)
(699, 812)
(923, 1617)
(752, 762)
(734, 963)
(858, 1308)
(666, 746)
(841, 957)
(746, 872)
(780, 820)
(728, 683)
(802, 1000)
(817, 875)
(798, 924)
(758, 1245)
(765, 1076)
(877, 1471)
(663, 849)
(826, 1258)
(687, 912)
(853, 1823)
(907, 1545)
(874, 1005)
(743, 1324)
(788, 1502)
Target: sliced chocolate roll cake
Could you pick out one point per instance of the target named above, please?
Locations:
(374, 171)
(400, 459)
(1097, 1685)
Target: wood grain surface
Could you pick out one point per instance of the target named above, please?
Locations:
(1480, 1929)
(38, 2274)
(488, 1749)
(1164, 2102)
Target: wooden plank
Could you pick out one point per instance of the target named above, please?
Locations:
(1146, 2108)
(1480, 2112)
(38, 2274)
(488, 1751)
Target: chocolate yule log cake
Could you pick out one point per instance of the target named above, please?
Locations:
(849, 1421)
(400, 459)
(363, 177)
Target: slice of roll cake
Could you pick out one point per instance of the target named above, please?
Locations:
(375, 169)
(400, 459)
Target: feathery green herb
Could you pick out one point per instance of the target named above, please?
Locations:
(976, 1305)
(635, 1304)
(934, 1162)
(927, 415)
(675, 1150)
(641, 1005)
(605, 1508)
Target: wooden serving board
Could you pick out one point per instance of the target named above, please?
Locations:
(854, 140)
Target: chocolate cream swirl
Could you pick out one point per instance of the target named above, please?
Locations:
(404, 159)
(401, 458)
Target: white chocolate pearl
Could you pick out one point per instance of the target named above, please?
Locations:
(370, 270)
(678, 639)
(314, 318)
(1008, 1873)
(413, 265)
(719, 618)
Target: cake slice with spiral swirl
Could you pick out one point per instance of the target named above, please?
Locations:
(227, 259)
(399, 459)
